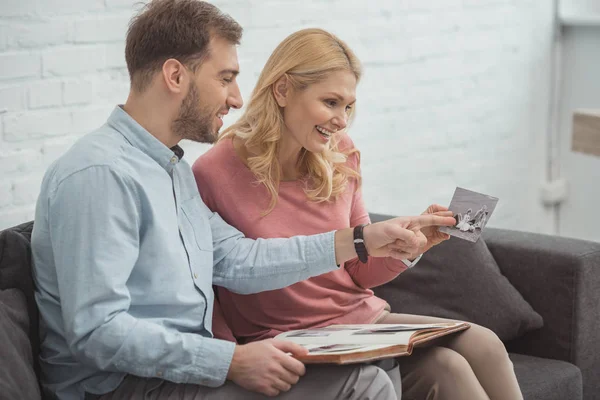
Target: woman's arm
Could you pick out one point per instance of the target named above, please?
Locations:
(377, 270)
(220, 327)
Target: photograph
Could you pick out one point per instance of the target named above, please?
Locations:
(310, 333)
(342, 328)
(472, 211)
(388, 330)
(334, 348)
(395, 328)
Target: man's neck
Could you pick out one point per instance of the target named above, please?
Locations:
(153, 117)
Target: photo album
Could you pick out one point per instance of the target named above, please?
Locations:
(472, 211)
(349, 344)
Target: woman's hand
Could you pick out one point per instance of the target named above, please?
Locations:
(407, 237)
(432, 233)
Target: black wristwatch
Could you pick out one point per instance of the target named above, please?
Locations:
(359, 244)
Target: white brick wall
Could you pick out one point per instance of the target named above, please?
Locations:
(455, 92)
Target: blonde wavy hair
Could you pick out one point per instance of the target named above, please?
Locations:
(306, 57)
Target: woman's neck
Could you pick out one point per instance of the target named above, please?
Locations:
(288, 156)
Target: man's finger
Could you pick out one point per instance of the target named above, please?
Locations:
(287, 376)
(282, 386)
(395, 247)
(399, 233)
(271, 392)
(399, 255)
(290, 347)
(290, 363)
(402, 245)
(432, 209)
(422, 221)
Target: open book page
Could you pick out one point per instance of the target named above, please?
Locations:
(348, 344)
(317, 349)
(376, 334)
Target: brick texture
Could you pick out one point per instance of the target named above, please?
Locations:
(453, 92)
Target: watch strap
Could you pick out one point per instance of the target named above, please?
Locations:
(359, 243)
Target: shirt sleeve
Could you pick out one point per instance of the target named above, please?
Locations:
(94, 225)
(377, 270)
(248, 266)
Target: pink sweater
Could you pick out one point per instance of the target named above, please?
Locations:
(341, 297)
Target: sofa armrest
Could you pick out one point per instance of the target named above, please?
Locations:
(560, 278)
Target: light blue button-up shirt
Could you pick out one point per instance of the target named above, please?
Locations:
(125, 253)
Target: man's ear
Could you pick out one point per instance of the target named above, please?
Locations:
(174, 75)
(281, 90)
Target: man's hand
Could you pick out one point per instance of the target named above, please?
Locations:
(265, 367)
(432, 233)
(406, 237)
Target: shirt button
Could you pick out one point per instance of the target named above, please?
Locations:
(159, 373)
(196, 276)
(173, 159)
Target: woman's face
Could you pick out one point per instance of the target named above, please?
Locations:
(312, 115)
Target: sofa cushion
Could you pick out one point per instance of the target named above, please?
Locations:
(24, 229)
(461, 280)
(15, 272)
(17, 377)
(546, 379)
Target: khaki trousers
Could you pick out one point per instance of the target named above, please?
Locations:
(472, 365)
(322, 382)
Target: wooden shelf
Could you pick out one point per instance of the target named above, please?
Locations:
(580, 19)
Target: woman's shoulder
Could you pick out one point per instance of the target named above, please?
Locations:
(219, 157)
(346, 146)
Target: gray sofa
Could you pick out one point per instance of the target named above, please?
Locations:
(559, 278)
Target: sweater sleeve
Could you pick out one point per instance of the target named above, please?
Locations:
(220, 328)
(207, 191)
(377, 270)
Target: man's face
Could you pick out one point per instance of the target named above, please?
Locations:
(212, 92)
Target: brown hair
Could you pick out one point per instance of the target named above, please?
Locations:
(179, 29)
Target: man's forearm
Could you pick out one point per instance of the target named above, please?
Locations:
(249, 266)
(146, 349)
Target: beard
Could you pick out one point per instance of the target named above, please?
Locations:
(192, 123)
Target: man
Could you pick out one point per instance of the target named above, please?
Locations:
(126, 253)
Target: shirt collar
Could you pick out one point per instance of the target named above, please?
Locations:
(143, 140)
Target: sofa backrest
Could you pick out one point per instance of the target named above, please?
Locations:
(15, 273)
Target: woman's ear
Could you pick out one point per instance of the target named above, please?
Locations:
(281, 91)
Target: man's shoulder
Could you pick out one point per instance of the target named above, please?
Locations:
(102, 148)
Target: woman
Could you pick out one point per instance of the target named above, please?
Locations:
(286, 167)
